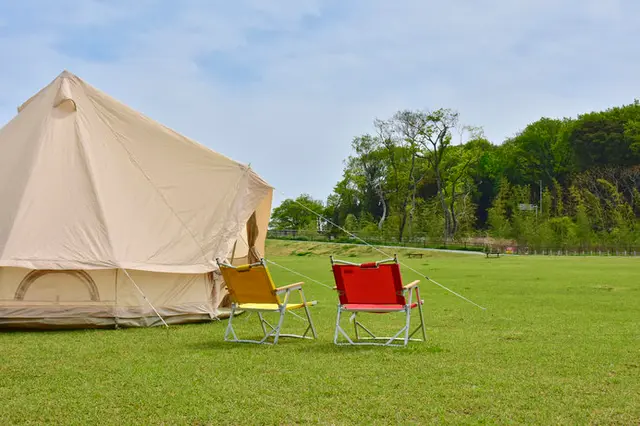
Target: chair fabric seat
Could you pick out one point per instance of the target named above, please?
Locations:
(369, 307)
(271, 306)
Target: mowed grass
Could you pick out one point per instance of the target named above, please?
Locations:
(559, 343)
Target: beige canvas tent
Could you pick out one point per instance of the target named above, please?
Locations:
(108, 218)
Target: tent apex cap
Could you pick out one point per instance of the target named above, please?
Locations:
(67, 73)
(64, 94)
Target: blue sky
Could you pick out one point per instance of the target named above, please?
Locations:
(285, 85)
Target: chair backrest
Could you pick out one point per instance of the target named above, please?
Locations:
(249, 284)
(369, 283)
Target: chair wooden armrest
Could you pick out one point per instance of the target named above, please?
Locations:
(293, 286)
(411, 285)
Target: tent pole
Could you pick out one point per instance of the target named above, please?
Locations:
(145, 297)
(115, 309)
(233, 252)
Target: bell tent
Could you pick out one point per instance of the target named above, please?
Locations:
(108, 218)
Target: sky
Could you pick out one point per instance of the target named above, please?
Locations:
(285, 85)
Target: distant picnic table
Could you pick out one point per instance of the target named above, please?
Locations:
(489, 250)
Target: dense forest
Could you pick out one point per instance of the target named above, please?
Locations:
(423, 175)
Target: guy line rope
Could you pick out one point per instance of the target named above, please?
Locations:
(378, 250)
(299, 274)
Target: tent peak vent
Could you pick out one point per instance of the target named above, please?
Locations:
(64, 96)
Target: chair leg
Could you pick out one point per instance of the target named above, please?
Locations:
(262, 322)
(234, 337)
(311, 325)
(230, 329)
(306, 311)
(355, 324)
(283, 311)
(335, 335)
(424, 332)
(358, 324)
(386, 341)
(407, 325)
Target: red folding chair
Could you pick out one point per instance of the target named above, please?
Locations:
(375, 287)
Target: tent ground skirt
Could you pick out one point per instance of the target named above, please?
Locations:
(72, 299)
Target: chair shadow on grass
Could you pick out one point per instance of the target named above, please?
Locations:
(218, 343)
(324, 343)
(323, 346)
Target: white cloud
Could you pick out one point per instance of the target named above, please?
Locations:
(321, 71)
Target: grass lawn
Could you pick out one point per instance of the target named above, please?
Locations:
(558, 344)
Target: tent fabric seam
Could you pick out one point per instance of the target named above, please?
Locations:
(92, 182)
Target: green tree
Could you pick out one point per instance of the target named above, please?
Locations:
(610, 137)
(368, 171)
(539, 152)
(584, 228)
(498, 213)
(351, 223)
(458, 166)
(399, 135)
(295, 214)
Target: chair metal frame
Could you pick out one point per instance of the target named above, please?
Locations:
(282, 305)
(404, 334)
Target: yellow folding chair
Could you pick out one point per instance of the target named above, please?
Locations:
(251, 289)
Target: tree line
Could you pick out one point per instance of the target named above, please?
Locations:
(571, 182)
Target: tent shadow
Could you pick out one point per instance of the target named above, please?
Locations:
(55, 329)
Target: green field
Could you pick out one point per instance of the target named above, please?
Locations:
(558, 344)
